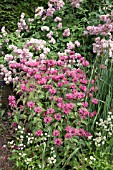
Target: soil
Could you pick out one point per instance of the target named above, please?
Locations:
(5, 136)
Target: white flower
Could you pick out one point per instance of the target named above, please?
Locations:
(54, 161)
(91, 157)
(109, 119)
(19, 127)
(90, 162)
(45, 28)
(109, 113)
(103, 142)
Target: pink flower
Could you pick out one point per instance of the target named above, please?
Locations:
(50, 110)
(47, 119)
(68, 128)
(15, 124)
(83, 112)
(12, 101)
(57, 116)
(52, 91)
(9, 114)
(66, 32)
(83, 88)
(60, 25)
(58, 141)
(85, 104)
(85, 63)
(70, 45)
(38, 109)
(30, 104)
(95, 101)
(56, 133)
(38, 133)
(68, 135)
(10, 98)
(77, 43)
(94, 113)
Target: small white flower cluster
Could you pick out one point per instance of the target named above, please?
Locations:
(28, 160)
(42, 140)
(91, 159)
(3, 31)
(11, 144)
(45, 28)
(52, 159)
(30, 138)
(105, 130)
(22, 154)
(20, 146)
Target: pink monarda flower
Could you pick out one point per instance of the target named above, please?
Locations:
(52, 91)
(56, 133)
(38, 133)
(10, 98)
(83, 112)
(94, 113)
(30, 104)
(58, 141)
(23, 87)
(85, 63)
(68, 135)
(50, 110)
(12, 101)
(47, 119)
(95, 101)
(57, 116)
(38, 109)
(83, 88)
(85, 104)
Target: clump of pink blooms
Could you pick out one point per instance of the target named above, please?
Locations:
(53, 5)
(102, 45)
(22, 25)
(76, 3)
(68, 86)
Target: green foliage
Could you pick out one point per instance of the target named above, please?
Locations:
(10, 11)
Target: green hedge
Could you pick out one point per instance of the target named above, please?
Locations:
(10, 11)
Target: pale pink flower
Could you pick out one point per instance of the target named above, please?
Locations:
(60, 25)
(66, 32)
